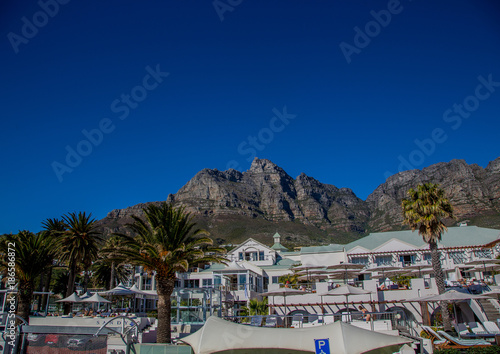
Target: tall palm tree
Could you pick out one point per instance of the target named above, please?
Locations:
(166, 242)
(106, 270)
(78, 246)
(424, 210)
(33, 255)
(52, 228)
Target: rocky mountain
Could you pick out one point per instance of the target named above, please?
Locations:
(235, 205)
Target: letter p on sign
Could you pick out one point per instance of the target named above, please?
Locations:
(322, 346)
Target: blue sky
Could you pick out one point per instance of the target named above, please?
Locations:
(106, 105)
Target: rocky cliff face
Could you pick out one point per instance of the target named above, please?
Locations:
(267, 191)
(235, 205)
(472, 190)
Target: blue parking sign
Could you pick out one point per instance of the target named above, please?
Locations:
(322, 346)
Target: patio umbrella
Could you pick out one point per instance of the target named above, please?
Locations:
(483, 262)
(451, 296)
(283, 292)
(347, 267)
(340, 274)
(381, 268)
(346, 290)
(96, 298)
(486, 267)
(72, 298)
(418, 267)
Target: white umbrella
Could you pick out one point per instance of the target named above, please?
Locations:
(451, 296)
(96, 298)
(72, 298)
(283, 292)
(346, 268)
(483, 261)
(346, 290)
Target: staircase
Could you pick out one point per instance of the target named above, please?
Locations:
(491, 311)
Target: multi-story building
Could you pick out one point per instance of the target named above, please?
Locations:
(255, 268)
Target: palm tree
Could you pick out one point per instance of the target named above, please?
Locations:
(33, 254)
(106, 270)
(78, 246)
(166, 242)
(52, 228)
(424, 211)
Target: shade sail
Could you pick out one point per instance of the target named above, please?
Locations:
(220, 336)
(72, 298)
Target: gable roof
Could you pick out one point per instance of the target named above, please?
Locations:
(246, 241)
(455, 237)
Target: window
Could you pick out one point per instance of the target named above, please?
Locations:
(207, 283)
(407, 259)
(458, 257)
(427, 257)
(275, 280)
(383, 260)
(261, 255)
(359, 260)
(483, 253)
(240, 256)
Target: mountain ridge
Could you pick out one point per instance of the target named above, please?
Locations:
(234, 205)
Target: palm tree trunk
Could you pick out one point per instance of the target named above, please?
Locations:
(25, 297)
(111, 278)
(165, 289)
(71, 287)
(438, 274)
(46, 287)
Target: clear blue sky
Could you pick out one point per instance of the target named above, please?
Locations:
(357, 93)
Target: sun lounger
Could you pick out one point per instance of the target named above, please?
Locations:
(491, 327)
(463, 331)
(454, 342)
(443, 340)
(479, 330)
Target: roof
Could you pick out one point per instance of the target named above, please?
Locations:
(323, 249)
(455, 237)
(279, 247)
(246, 241)
(284, 263)
(220, 336)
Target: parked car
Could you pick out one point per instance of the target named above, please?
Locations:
(86, 342)
(36, 339)
(54, 340)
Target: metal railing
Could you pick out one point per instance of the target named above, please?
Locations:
(383, 321)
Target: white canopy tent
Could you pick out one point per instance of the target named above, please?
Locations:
(220, 336)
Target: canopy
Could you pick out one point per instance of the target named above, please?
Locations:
(218, 336)
(96, 298)
(120, 290)
(72, 298)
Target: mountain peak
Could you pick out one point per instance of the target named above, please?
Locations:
(264, 165)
